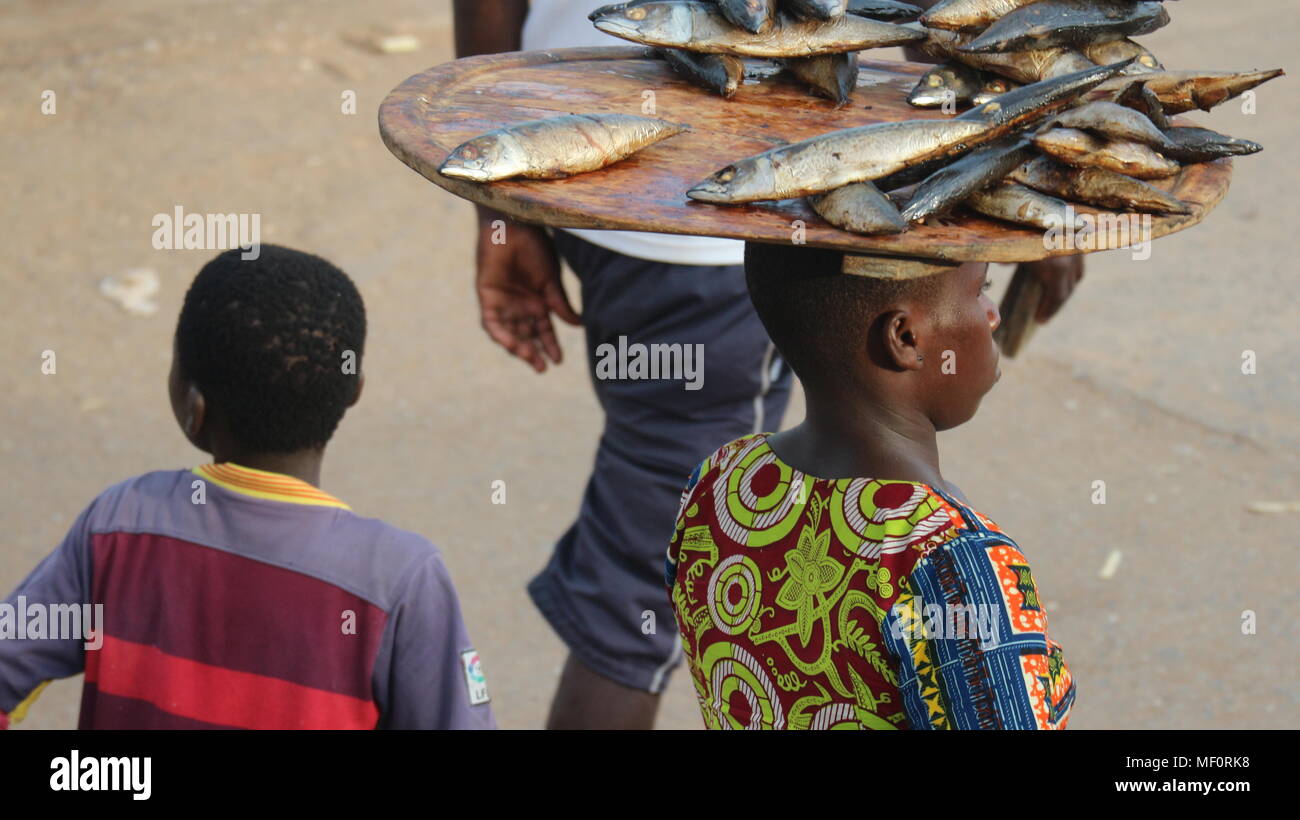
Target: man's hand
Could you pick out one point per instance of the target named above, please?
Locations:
(519, 287)
(518, 281)
(1058, 275)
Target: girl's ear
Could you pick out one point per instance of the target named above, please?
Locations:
(899, 341)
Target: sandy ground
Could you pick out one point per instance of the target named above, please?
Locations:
(234, 106)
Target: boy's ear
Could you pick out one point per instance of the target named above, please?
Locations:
(898, 340)
(361, 383)
(195, 412)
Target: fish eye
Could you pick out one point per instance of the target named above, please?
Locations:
(726, 174)
(934, 81)
(469, 152)
(1147, 60)
(636, 14)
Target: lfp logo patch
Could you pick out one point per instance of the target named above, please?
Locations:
(473, 666)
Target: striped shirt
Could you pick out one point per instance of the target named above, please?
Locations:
(239, 598)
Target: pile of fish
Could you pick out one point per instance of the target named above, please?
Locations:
(991, 45)
(707, 41)
(1066, 109)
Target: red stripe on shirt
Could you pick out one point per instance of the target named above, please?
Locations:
(233, 612)
(210, 693)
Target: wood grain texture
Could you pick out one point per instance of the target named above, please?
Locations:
(429, 114)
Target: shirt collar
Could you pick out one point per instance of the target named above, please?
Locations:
(267, 485)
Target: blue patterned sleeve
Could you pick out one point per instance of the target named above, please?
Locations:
(969, 639)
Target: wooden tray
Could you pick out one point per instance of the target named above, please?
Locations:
(426, 117)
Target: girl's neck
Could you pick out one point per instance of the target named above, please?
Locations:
(871, 441)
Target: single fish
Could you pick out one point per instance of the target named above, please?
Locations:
(859, 208)
(816, 9)
(722, 73)
(993, 88)
(698, 26)
(1143, 100)
(1082, 149)
(1029, 66)
(1097, 186)
(830, 75)
(976, 171)
(1049, 23)
(833, 160)
(953, 83)
(1183, 91)
(884, 9)
(965, 15)
(754, 16)
(1113, 121)
(1013, 202)
(555, 147)
(1038, 100)
(1191, 144)
(1112, 51)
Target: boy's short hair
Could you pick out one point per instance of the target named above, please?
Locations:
(265, 341)
(813, 311)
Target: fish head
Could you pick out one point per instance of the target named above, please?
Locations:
(657, 23)
(746, 181)
(991, 90)
(935, 88)
(1144, 63)
(485, 158)
(996, 86)
(606, 9)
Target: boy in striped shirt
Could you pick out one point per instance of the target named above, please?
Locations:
(239, 594)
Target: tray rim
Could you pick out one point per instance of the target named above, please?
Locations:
(399, 113)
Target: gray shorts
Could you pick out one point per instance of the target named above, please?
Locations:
(603, 590)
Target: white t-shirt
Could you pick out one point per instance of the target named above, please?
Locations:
(564, 24)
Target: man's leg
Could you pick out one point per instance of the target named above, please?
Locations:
(603, 590)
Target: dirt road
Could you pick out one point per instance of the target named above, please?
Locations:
(235, 106)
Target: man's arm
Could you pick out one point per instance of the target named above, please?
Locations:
(517, 270)
(488, 26)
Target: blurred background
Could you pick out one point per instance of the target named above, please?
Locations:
(234, 106)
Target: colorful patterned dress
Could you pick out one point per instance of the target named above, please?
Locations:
(807, 603)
